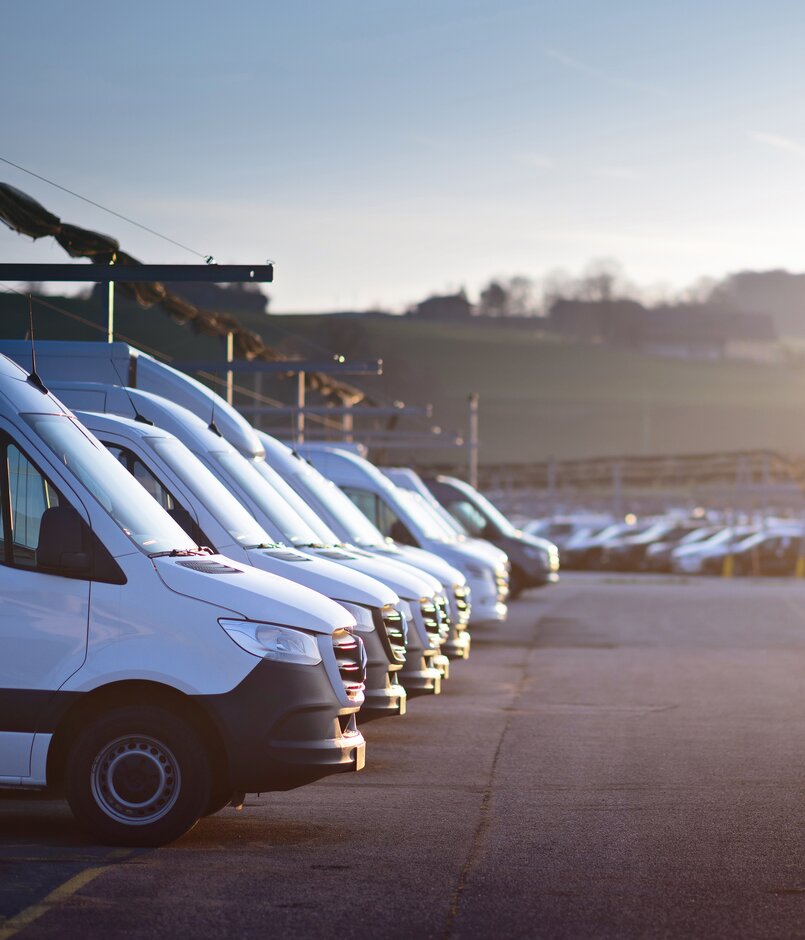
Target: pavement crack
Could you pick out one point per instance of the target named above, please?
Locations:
(476, 847)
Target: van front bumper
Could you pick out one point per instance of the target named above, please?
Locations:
(457, 644)
(284, 726)
(383, 694)
(419, 674)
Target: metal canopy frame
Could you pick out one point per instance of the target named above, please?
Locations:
(139, 273)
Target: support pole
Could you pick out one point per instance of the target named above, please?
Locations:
(473, 448)
(347, 425)
(110, 314)
(230, 375)
(300, 404)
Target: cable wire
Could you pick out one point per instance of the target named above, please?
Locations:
(97, 205)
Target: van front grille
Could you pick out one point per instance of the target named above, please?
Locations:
(396, 630)
(444, 616)
(350, 657)
(462, 595)
(430, 616)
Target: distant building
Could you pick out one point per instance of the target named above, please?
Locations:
(447, 307)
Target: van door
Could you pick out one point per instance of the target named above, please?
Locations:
(44, 617)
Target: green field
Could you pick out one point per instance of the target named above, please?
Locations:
(539, 398)
(542, 398)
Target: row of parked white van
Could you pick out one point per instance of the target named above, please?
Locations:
(193, 611)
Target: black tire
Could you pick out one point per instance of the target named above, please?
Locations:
(138, 775)
(220, 798)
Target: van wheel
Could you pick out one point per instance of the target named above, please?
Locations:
(220, 798)
(138, 775)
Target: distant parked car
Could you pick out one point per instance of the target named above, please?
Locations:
(562, 530)
(628, 552)
(587, 551)
(658, 555)
(690, 559)
(763, 553)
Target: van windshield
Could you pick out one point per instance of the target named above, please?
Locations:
(137, 513)
(291, 526)
(429, 524)
(491, 511)
(210, 492)
(296, 502)
(357, 528)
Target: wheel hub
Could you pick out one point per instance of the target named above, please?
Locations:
(135, 779)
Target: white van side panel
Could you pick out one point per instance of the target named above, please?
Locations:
(15, 755)
(39, 760)
(131, 637)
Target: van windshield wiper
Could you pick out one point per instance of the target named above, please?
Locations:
(176, 552)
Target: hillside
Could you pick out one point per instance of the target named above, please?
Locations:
(539, 397)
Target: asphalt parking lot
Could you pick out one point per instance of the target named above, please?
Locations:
(624, 758)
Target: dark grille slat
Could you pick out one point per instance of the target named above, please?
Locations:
(430, 616)
(350, 657)
(394, 625)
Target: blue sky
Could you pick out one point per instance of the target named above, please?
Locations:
(378, 151)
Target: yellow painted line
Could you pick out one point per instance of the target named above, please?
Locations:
(26, 917)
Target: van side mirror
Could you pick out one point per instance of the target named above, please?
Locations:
(64, 543)
(400, 533)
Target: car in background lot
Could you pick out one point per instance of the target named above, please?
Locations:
(658, 555)
(769, 552)
(628, 552)
(534, 560)
(690, 559)
(586, 550)
(564, 530)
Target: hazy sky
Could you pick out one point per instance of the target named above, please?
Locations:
(378, 150)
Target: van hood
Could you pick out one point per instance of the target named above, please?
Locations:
(466, 553)
(334, 580)
(250, 593)
(406, 582)
(426, 561)
(496, 556)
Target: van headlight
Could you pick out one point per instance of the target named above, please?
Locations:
(270, 641)
(362, 615)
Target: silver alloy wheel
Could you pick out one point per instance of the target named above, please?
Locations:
(135, 780)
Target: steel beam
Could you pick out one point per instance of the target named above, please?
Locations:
(327, 366)
(138, 273)
(338, 411)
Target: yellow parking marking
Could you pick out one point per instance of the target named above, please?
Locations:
(25, 918)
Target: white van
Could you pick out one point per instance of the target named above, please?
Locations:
(402, 516)
(422, 669)
(355, 530)
(205, 509)
(151, 679)
(122, 365)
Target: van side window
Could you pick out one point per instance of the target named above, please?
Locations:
(40, 530)
(386, 518)
(382, 515)
(164, 497)
(467, 515)
(30, 495)
(366, 502)
(143, 476)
